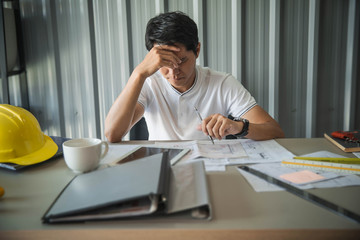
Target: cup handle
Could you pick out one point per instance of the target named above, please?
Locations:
(106, 149)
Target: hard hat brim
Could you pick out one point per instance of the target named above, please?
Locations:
(45, 153)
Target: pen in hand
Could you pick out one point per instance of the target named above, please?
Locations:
(201, 121)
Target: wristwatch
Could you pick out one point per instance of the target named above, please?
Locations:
(245, 129)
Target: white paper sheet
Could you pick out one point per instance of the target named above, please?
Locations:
(264, 152)
(258, 184)
(231, 152)
(324, 154)
(221, 149)
(214, 164)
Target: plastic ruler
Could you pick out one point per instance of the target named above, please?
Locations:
(320, 165)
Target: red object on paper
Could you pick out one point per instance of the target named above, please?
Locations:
(345, 135)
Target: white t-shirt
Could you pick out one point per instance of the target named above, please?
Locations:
(170, 115)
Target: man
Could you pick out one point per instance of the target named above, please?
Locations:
(167, 86)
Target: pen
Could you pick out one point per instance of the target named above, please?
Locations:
(334, 160)
(201, 121)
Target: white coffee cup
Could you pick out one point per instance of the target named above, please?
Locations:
(84, 154)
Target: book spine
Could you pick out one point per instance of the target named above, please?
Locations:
(164, 177)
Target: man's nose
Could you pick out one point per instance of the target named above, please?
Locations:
(174, 71)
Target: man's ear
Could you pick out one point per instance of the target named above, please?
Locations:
(198, 50)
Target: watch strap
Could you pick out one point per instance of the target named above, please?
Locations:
(245, 128)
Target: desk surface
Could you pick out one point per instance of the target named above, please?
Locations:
(238, 211)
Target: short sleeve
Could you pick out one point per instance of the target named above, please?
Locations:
(238, 99)
(144, 97)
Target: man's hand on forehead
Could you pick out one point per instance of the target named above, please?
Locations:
(168, 55)
(159, 56)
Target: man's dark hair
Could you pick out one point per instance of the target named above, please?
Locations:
(170, 28)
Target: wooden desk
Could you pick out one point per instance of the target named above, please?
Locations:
(238, 211)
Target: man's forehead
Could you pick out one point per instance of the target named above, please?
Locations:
(180, 45)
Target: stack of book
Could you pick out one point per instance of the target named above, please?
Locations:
(345, 145)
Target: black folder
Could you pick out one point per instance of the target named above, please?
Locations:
(147, 186)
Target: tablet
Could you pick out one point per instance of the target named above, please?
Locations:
(174, 154)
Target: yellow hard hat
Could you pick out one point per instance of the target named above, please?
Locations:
(21, 139)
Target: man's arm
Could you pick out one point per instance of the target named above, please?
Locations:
(126, 111)
(262, 126)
